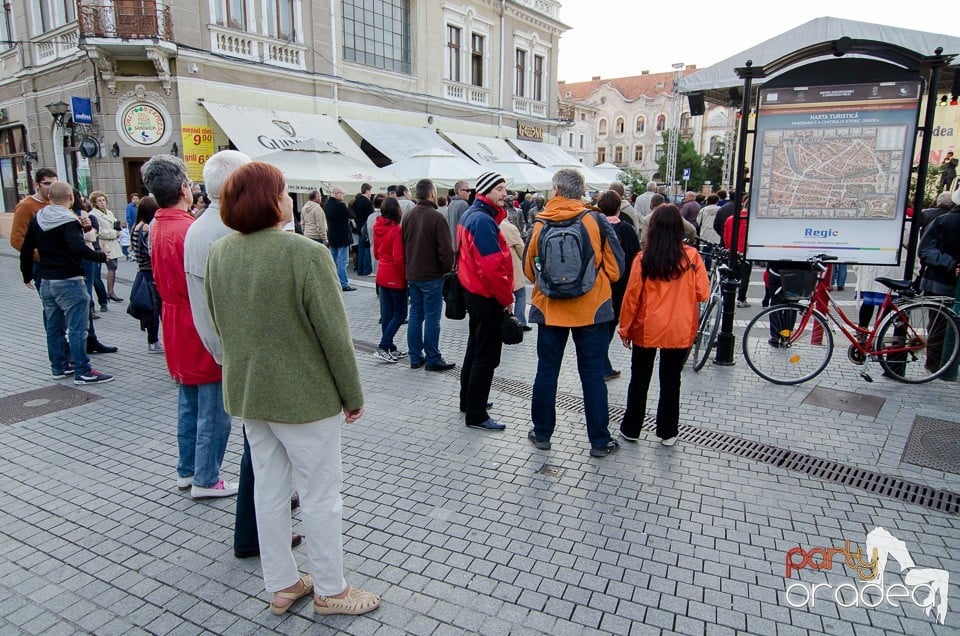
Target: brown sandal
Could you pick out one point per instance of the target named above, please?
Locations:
(307, 589)
(356, 602)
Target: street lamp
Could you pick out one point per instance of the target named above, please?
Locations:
(58, 111)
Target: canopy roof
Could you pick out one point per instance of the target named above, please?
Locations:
(310, 164)
(717, 79)
(442, 167)
(396, 141)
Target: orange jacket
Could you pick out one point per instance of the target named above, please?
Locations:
(663, 314)
(596, 305)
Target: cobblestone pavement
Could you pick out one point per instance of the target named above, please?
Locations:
(462, 531)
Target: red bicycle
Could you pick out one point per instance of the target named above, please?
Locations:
(914, 339)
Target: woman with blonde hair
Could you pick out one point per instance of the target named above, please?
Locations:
(282, 321)
(109, 240)
(659, 312)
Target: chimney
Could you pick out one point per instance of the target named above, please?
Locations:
(644, 72)
(691, 67)
(594, 78)
(561, 81)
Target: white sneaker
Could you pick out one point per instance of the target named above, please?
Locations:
(669, 441)
(384, 356)
(743, 303)
(184, 482)
(221, 489)
(154, 347)
(396, 354)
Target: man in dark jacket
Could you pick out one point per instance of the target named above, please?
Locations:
(55, 233)
(486, 273)
(362, 209)
(339, 235)
(428, 255)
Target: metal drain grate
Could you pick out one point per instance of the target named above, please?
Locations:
(20, 407)
(550, 470)
(825, 469)
(934, 443)
(845, 401)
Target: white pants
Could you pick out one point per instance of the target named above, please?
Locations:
(309, 455)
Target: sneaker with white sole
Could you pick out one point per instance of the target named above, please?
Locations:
(93, 377)
(154, 347)
(220, 489)
(396, 354)
(384, 356)
(66, 373)
(743, 303)
(184, 482)
(669, 441)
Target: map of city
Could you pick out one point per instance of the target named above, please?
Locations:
(847, 172)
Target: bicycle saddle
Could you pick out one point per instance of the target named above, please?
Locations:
(897, 285)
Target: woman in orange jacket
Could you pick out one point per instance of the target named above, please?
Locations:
(659, 311)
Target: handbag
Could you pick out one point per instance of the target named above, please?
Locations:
(511, 331)
(144, 299)
(454, 297)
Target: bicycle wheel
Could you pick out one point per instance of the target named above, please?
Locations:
(918, 342)
(706, 333)
(784, 345)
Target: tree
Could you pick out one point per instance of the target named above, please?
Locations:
(687, 157)
(633, 180)
(932, 188)
(713, 167)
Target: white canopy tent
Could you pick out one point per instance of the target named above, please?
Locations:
(443, 167)
(553, 158)
(310, 164)
(522, 175)
(722, 76)
(396, 141)
(608, 171)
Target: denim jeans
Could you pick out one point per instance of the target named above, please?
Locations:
(393, 309)
(423, 329)
(520, 305)
(839, 275)
(66, 309)
(203, 428)
(364, 267)
(89, 271)
(340, 256)
(591, 342)
(98, 284)
(612, 327)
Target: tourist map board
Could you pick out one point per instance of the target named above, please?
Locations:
(831, 171)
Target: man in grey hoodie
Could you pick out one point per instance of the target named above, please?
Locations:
(55, 232)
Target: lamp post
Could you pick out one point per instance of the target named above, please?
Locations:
(58, 110)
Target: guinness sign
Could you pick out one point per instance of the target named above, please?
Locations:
(529, 132)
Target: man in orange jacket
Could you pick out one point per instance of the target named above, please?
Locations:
(584, 316)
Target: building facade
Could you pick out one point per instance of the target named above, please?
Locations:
(130, 77)
(622, 120)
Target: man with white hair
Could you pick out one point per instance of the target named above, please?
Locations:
(200, 236)
(642, 204)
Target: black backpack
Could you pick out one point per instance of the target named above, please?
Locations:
(565, 261)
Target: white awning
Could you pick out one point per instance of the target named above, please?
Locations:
(483, 150)
(396, 141)
(311, 164)
(554, 157)
(257, 131)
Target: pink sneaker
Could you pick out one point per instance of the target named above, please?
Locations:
(220, 489)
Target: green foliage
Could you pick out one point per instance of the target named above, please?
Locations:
(632, 180)
(933, 186)
(713, 168)
(687, 157)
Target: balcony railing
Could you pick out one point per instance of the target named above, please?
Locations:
(256, 48)
(529, 107)
(468, 93)
(53, 45)
(128, 20)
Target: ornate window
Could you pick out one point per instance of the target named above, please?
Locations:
(602, 127)
(476, 59)
(230, 13)
(601, 154)
(538, 78)
(620, 126)
(659, 153)
(661, 122)
(521, 70)
(280, 20)
(638, 154)
(618, 155)
(641, 124)
(377, 33)
(454, 36)
(50, 14)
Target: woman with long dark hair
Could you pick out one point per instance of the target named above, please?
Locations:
(391, 278)
(140, 242)
(660, 312)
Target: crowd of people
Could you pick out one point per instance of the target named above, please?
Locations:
(597, 271)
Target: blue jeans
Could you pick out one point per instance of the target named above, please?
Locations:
(520, 305)
(591, 343)
(364, 266)
(66, 309)
(203, 428)
(393, 309)
(423, 328)
(340, 256)
(612, 327)
(839, 275)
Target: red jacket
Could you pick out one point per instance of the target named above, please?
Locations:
(388, 250)
(485, 267)
(187, 359)
(741, 235)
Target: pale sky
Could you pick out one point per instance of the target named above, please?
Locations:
(618, 38)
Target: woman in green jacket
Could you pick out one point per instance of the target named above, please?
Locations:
(275, 301)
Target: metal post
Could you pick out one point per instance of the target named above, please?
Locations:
(673, 131)
(936, 64)
(726, 341)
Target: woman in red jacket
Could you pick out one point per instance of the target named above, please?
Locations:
(659, 311)
(388, 252)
